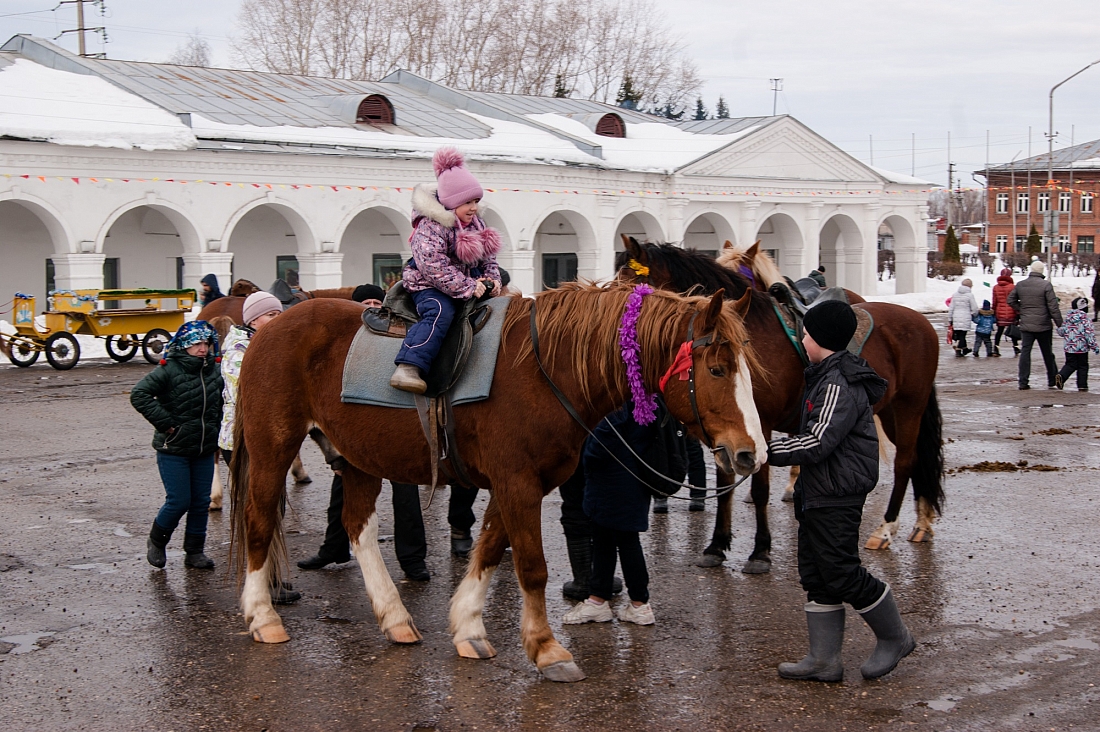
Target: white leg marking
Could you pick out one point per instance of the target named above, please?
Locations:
(925, 516)
(467, 605)
(256, 599)
(381, 590)
(743, 397)
(216, 486)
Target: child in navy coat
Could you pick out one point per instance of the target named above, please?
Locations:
(985, 319)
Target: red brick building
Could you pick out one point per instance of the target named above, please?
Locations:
(1068, 212)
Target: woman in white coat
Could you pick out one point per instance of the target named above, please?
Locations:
(963, 308)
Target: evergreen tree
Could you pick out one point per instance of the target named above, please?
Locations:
(628, 97)
(721, 110)
(951, 246)
(561, 91)
(670, 112)
(1034, 242)
(700, 110)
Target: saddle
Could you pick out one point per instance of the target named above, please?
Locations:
(392, 319)
(791, 309)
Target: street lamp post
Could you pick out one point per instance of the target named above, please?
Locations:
(1050, 164)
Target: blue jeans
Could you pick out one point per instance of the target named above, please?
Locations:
(425, 337)
(187, 491)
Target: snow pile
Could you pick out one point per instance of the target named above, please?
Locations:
(40, 103)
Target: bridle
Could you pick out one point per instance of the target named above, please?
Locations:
(683, 363)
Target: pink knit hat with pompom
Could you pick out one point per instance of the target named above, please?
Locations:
(457, 185)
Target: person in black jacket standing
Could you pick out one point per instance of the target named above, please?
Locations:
(1034, 298)
(837, 447)
(182, 399)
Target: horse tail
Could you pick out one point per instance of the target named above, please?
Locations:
(238, 497)
(928, 466)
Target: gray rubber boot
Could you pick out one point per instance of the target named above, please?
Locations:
(158, 540)
(825, 624)
(894, 640)
(193, 545)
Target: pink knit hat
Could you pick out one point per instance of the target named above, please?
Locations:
(260, 303)
(457, 185)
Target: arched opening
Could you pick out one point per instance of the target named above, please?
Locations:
(144, 248)
(375, 248)
(641, 225)
(265, 245)
(910, 257)
(708, 232)
(27, 245)
(611, 125)
(375, 110)
(840, 247)
(559, 241)
(780, 237)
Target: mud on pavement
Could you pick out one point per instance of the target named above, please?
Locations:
(1004, 602)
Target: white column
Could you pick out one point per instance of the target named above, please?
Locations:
(674, 222)
(867, 261)
(911, 259)
(320, 270)
(749, 211)
(197, 266)
(522, 268)
(811, 250)
(599, 263)
(78, 271)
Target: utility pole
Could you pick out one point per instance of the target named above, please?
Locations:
(777, 86)
(81, 29)
(871, 144)
(913, 162)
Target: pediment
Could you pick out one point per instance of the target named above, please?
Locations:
(786, 150)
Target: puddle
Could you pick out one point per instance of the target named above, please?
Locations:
(333, 619)
(1082, 643)
(98, 566)
(27, 642)
(942, 705)
(79, 521)
(122, 532)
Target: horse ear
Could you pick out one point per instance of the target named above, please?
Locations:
(741, 305)
(752, 251)
(710, 315)
(728, 244)
(634, 249)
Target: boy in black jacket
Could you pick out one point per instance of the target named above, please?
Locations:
(837, 447)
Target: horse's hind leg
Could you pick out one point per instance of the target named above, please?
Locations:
(470, 638)
(262, 521)
(788, 492)
(361, 521)
(298, 471)
(216, 491)
(905, 439)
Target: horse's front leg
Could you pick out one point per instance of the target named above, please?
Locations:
(216, 489)
(760, 561)
(361, 521)
(788, 492)
(467, 626)
(715, 554)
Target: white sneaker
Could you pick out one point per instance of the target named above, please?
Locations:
(586, 612)
(641, 615)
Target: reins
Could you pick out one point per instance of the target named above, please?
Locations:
(564, 400)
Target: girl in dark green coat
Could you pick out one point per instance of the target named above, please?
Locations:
(182, 399)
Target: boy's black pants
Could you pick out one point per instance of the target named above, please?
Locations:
(606, 545)
(828, 558)
(1078, 362)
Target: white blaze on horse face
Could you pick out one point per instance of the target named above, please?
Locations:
(388, 608)
(743, 396)
(467, 606)
(256, 598)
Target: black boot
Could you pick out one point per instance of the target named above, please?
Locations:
(580, 559)
(461, 543)
(660, 504)
(697, 502)
(158, 540)
(285, 595)
(825, 624)
(894, 640)
(193, 545)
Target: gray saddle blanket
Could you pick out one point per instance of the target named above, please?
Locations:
(369, 366)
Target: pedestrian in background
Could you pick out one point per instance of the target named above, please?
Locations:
(1037, 304)
(961, 315)
(983, 329)
(210, 289)
(1007, 317)
(1096, 295)
(1080, 339)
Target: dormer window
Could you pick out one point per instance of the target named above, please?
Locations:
(611, 125)
(375, 110)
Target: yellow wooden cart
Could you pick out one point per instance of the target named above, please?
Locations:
(127, 319)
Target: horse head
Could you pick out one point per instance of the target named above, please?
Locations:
(669, 267)
(243, 288)
(753, 263)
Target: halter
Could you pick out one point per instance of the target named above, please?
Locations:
(676, 368)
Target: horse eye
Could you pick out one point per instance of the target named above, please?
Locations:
(717, 371)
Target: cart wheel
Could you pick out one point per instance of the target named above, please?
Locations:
(122, 348)
(62, 351)
(153, 345)
(22, 354)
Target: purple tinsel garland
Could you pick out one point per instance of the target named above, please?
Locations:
(645, 404)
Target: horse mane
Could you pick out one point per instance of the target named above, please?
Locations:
(341, 293)
(762, 265)
(690, 270)
(583, 318)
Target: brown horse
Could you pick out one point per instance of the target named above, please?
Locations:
(903, 349)
(233, 306)
(520, 443)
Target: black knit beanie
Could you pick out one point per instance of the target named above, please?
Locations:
(831, 324)
(368, 292)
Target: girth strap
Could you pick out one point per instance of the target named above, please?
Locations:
(434, 413)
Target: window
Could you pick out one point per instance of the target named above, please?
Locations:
(611, 125)
(558, 268)
(1044, 202)
(1063, 244)
(1002, 203)
(1002, 241)
(1021, 243)
(1064, 200)
(774, 254)
(1023, 204)
(111, 281)
(179, 273)
(387, 269)
(375, 110)
(283, 264)
(1086, 244)
(1086, 203)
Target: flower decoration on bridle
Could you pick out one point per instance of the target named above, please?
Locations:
(645, 404)
(639, 269)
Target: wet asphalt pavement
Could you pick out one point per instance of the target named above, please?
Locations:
(1005, 603)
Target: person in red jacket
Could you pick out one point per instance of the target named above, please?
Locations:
(1006, 314)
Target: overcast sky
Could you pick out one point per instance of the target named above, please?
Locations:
(851, 69)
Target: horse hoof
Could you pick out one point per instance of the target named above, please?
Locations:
(214, 508)
(273, 633)
(877, 542)
(710, 560)
(756, 566)
(920, 536)
(788, 497)
(403, 634)
(304, 480)
(747, 498)
(478, 648)
(565, 672)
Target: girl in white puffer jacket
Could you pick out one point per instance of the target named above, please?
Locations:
(963, 309)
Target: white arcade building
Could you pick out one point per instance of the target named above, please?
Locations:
(125, 174)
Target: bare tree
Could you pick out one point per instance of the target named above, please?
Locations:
(194, 52)
(280, 35)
